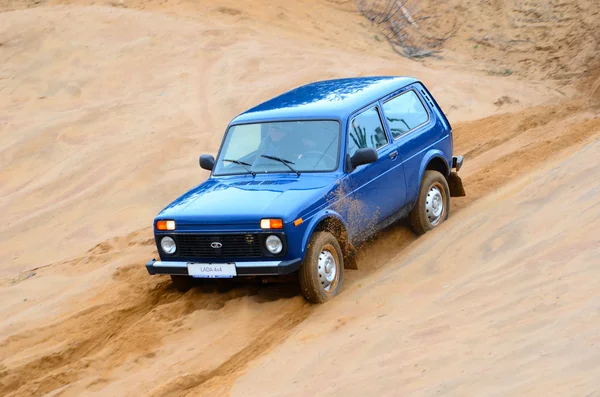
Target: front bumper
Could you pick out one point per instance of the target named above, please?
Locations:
(255, 268)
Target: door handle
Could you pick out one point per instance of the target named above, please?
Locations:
(393, 155)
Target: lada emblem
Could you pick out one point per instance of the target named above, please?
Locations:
(216, 244)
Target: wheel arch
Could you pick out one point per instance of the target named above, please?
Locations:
(434, 160)
(333, 223)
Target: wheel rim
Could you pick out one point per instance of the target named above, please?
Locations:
(435, 204)
(327, 267)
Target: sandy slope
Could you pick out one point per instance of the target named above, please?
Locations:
(99, 324)
(501, 301)
(103, 112)
(106, 110)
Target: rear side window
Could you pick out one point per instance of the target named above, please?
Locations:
(404, 113)
(366, 131)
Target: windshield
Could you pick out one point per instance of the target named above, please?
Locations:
(287, 146)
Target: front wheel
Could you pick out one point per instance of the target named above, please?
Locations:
(322, 272)
(433, 203)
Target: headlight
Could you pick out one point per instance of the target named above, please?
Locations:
(168, 245)
(274, 244)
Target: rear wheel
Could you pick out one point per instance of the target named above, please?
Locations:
(182, 283)
(322, 272)
(433, 203)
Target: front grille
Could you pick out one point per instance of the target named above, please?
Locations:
(247, 245)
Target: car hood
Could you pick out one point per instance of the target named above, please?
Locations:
(246, 199)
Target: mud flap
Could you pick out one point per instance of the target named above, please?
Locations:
(350, 261)
(456, 186)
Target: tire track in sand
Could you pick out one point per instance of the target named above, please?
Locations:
(222, 377)
(134, 314)
(71, 342)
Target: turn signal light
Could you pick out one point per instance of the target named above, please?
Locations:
(165, 225)
(271, 224)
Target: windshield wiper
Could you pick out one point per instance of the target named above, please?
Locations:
(282, 161)
(243, 164)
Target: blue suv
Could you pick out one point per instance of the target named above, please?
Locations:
(300, 181)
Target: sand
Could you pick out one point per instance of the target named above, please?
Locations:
(104, 110)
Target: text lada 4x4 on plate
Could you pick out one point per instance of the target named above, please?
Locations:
(302, 179)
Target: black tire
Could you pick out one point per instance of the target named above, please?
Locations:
(314, 284)
(182, 283)
(422, 217)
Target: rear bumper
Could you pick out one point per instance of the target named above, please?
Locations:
(257, 268)
(454, 182)
(457, 162)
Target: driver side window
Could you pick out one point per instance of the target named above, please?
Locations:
(366, 131)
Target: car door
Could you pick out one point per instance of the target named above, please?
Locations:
(409, 122)
(379, 187)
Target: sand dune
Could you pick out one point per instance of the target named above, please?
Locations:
(103, 113)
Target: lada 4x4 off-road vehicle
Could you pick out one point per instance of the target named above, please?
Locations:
(303, 179)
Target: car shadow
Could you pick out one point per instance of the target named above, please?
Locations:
(261, 289)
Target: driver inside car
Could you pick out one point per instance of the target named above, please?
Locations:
(283, 143)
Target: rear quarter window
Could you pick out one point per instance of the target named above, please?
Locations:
(405, 113)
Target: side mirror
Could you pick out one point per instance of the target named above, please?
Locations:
(363, 156)
(207, 161)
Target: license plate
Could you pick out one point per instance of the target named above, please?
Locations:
(212, 270)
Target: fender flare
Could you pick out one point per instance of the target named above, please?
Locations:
(315, 220)
(430, 155)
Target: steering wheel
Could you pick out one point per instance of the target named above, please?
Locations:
(321, 156)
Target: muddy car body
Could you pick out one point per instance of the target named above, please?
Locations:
(302, 179)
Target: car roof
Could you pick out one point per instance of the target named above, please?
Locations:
(327, 99)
